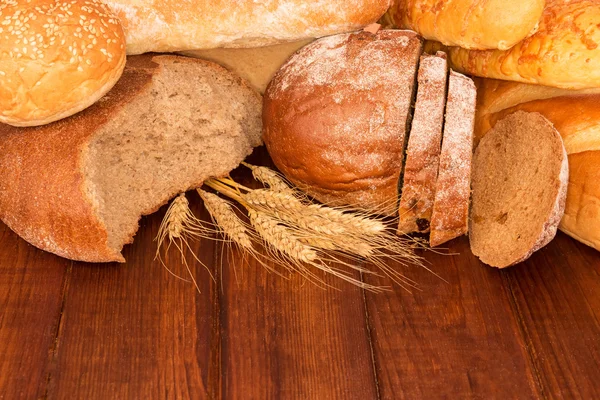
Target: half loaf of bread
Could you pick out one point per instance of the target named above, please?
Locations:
(78, 187)
(520, 176)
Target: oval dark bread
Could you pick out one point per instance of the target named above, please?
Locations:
(336, 115)
(78, 187)
(520, 176)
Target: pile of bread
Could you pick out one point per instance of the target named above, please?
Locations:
(381, 119)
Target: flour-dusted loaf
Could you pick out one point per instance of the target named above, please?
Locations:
(335, 116)
(78, 187)
(520, 175)
(175, 25)
(424, 146)
(471, 24)
(453, 188)
(563, 52)
(56, 58)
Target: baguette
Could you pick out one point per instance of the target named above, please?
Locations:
(77, 187)
(173, 25)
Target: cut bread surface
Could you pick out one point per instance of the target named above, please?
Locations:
(520, 175)
(78, 187)
(134, 165)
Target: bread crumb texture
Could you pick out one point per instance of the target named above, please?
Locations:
(56, 58)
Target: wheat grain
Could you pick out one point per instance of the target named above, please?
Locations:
(226, 219)
(280, 237)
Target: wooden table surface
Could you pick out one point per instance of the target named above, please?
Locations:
(70, 330)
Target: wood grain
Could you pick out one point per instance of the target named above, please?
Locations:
(31, 286)
(557, 300)
(74, 330)
(133, 331)
(291, 339)
(458, 339)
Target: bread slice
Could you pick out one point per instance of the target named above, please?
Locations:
(451, 206)
(78, 187)
(520, 177)
(424, 146)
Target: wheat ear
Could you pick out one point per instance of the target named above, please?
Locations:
(268, 177)
(226, 219)
(177, 223)
(280, 237)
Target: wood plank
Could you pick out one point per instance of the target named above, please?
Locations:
(557, 298)
(31, 288)
(134, 331)
(452, 340)
(290, 339)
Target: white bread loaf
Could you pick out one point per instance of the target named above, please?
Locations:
(520, 174)
(77, 187)
(471, 24)
(562, 53)
(56, 58)
(576, 116)
(173, 25)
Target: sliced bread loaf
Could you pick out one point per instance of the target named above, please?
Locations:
(520, 176)
(78, 187)
(453, 188)
(424, 146)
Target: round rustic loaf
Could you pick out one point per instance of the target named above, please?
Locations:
(335, 116)
(56, 58)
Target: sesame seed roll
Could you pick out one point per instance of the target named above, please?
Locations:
(56, 58)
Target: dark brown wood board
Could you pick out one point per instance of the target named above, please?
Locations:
(76, 330)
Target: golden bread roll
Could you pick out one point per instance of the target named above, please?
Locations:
(174, 25)
(56, 58)
(562, 53)
(576, 116)
(493, 24)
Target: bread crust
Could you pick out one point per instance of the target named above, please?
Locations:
(335, 117)
(575, 114)
(173, 25)
(492, 24)
(562, 53)
(424, 146)
(56, 58)
(43, 192)
(450, 215)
